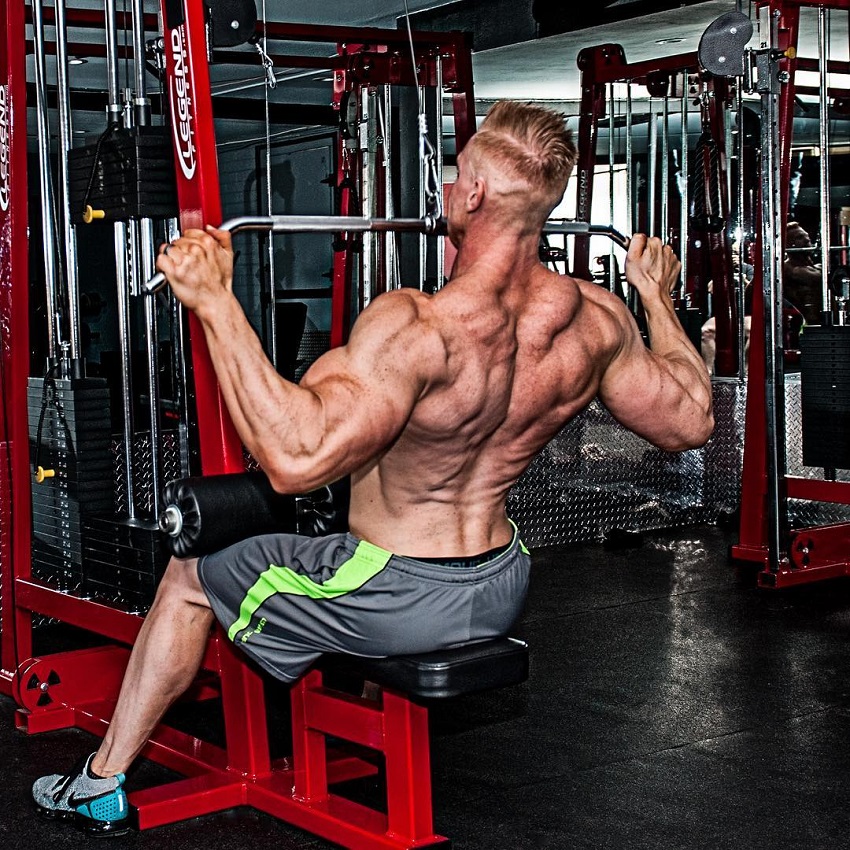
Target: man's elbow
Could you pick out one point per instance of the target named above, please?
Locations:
(704, 432)
(695, 436)
(286, 474)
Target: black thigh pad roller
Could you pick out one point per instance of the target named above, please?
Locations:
(209, 513)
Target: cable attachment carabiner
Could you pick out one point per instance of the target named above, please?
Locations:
(268, 65)
(428, 156)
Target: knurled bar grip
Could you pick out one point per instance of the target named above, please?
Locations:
(352, 224)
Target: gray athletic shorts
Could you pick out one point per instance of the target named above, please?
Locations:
(287, 599)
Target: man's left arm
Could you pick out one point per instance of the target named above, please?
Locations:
(351, 405)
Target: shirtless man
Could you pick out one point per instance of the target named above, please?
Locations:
(801, 277)
(435, 407)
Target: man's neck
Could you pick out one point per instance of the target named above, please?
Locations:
(498, 255)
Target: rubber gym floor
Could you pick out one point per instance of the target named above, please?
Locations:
(671, 704)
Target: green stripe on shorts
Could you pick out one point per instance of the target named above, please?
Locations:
(366, 562)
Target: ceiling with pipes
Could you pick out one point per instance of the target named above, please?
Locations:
(523, 49)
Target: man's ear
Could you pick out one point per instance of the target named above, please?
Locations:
(476, 195)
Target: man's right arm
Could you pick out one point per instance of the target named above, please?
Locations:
(353, 402)
(662, 393)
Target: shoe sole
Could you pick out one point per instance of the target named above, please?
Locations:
(95, 829)
(101, 829)
(54, 814)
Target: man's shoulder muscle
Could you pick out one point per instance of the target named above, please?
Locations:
(393, 333)
(599, 319)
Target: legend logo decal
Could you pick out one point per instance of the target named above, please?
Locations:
(4, 149)
(182, 119)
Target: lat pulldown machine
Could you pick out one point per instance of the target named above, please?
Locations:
(789, 556)
(78, 688)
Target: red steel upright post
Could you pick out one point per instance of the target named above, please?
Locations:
(193, 133)
(458, 76)
(604, 64)
(373, 63)
(15, 509)
(590, 60)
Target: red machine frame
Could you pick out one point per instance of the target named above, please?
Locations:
(812, 553)
(15, 508)
(606, 64)
(79, 688)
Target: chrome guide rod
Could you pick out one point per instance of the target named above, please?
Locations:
(65, 136)
(684, 185)
(740, 247)
(630, 213)
(268, 83)
(631, 218)
(824, 140)
(441, 240)
(612, 278)
(121, 239)
(391, 275)
(112, 71)
(368, 196)
(652, 171)
(772, 238)
(665, 168)
(147, 250)
(48, 220)
(428, 226)
(423, 176)
(141, 102)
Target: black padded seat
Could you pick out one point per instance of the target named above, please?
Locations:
(446, 673)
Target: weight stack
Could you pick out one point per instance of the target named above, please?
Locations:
(75, 440)
(142, 454)
(123, 560)
(825, 396)
(131, 176)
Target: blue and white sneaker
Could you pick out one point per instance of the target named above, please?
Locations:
(97, 805)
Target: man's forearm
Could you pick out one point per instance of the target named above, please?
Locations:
(667, 337)
(668, 341)
(271, 415)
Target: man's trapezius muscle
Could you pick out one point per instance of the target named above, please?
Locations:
(435, 407)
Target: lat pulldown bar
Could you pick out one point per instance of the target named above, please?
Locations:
(351, 224)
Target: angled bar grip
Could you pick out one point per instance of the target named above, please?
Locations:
(318, 224)
(583, 228)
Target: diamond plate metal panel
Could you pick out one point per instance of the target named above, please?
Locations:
(596, 476)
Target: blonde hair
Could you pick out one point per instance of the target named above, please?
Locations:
(532, 143)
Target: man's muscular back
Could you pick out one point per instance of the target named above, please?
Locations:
(509, 364)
